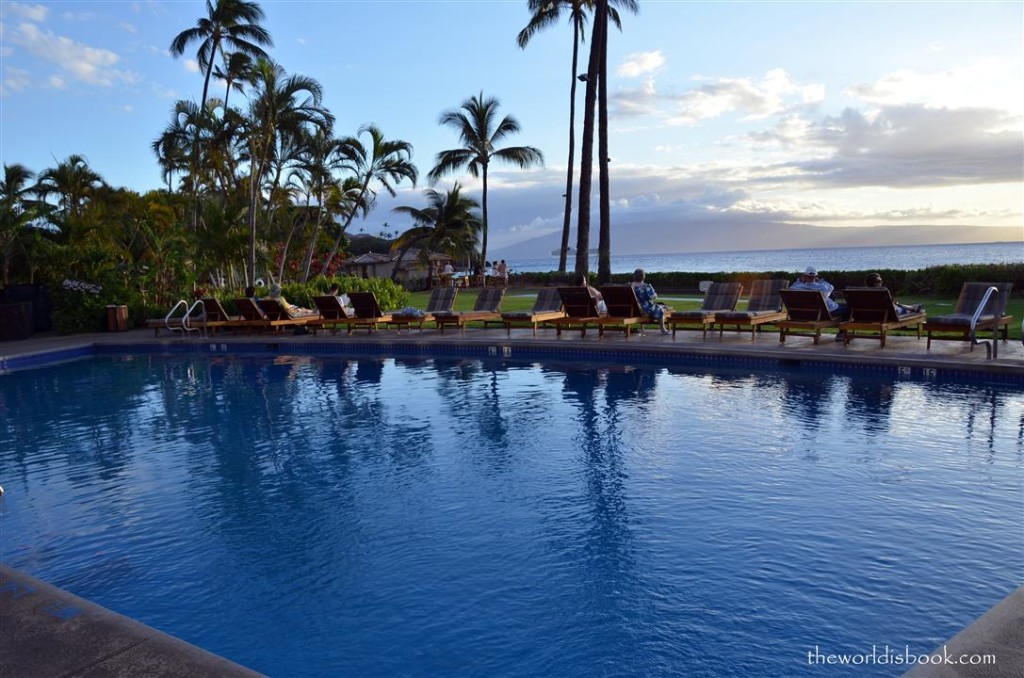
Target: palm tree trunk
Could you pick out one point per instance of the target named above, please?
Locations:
(604, 260)
(567, 219)
(307, 263)
(587, 158)
(483, 254)
(344, 228)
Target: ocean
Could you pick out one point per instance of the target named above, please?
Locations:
(905, 257)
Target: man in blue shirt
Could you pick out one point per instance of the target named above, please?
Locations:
(809, 280)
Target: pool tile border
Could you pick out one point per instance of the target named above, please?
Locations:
(909, 368)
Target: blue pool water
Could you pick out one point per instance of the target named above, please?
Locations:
(327, 516)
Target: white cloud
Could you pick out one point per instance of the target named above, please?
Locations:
(14, 80)
(128, 108)
(57, 82)
(78, 16)
(638, 63)
(191, 65)
(130, 28)
(30, 12)
(87, 64)
(990, 83)
(754, 99)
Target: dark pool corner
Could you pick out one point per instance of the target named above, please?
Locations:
(45, 631)
(999, 633)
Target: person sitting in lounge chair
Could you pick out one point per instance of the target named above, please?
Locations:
(602, 308)
(809, 280)
(646, 295)
(335, 291)
(292, 310)
(875, 280)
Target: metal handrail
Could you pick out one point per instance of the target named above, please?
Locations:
(177, 323)
(991, 347)
(201, 317)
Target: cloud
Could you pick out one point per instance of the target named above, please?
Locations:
(35, 13)
(14, 80)
(774, 94)
(912, 146)
(191, 65)
(638, 63)
(982, 84)
(86, 64)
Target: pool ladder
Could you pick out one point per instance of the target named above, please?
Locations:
(991, 346)
(180, 323)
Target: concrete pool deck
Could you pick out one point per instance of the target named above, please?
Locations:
(36, 641)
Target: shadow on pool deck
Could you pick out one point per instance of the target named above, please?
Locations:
(36, 641)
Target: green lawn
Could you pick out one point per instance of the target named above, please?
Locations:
(522, 298)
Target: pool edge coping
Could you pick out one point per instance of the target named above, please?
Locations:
(45, 630)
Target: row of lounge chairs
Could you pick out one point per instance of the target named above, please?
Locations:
(873, 313)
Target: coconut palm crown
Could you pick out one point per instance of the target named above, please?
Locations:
(232, 24)
(479, 129)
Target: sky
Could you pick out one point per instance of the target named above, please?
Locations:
(819, 113)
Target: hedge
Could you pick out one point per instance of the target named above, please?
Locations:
(939, 281)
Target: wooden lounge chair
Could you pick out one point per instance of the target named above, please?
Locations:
(873, 310)
(441, 299)
(957, 325)
(719, 297)
(763, 308)
(807, 314)
(623, 310)
(276, 316)
(548, 306)
(215, 316)
(333, 312)
(367, 312)
(580, 310)
(486, 309)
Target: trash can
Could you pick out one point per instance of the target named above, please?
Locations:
(117, 318)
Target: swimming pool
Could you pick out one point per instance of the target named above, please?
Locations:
(325, 515)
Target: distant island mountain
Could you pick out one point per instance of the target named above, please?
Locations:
(715, 236)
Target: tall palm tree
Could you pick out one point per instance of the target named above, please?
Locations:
(228, 23)
(479, 131)
(449, 223)
(604, 241)
(280, 107)
(382, 162)
(597, 73)
(545, 13)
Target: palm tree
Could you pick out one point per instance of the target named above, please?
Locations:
(231, 23)
(17, 211)
(382, 162)
(73, 181)
(449, 223)
(281, 107)
(237, 66)
(597, 73)
(546, 13)
(479, 131)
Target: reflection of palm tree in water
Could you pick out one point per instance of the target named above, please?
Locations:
(871, 402)
(609, 566)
